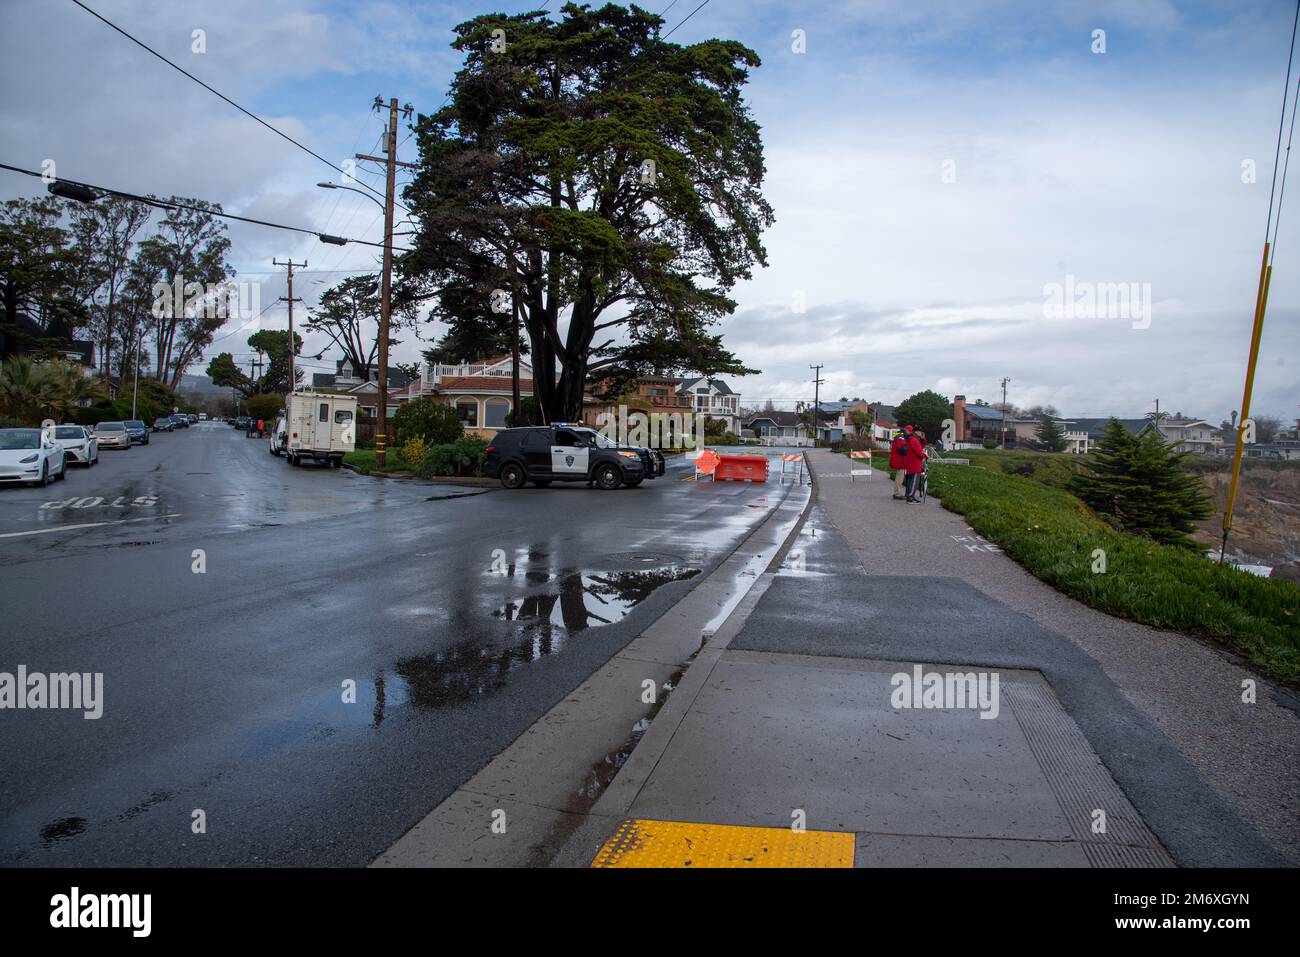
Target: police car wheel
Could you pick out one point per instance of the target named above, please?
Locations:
(607, 477)
(512, 476)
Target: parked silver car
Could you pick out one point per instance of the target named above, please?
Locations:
(79, 444)
(112, 435)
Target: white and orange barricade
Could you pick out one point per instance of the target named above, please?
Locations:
(855, 472)
(792, 459)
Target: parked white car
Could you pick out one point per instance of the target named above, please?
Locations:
(79, 444)
(278, 436)
(32, 456)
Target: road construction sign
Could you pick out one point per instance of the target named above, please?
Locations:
(866, 472)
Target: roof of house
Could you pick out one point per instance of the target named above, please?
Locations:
(786, 419)
(984, 412)
(322, 380)
(1095, 426)
(718, 384)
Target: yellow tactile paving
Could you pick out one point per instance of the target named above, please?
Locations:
(685, 844)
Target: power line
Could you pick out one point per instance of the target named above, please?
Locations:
(172, 204)
(670, 32)
(215, 92)
(1286, 89)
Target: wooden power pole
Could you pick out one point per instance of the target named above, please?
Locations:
(389, 159)
(290, 263)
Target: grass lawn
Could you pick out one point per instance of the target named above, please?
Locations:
(1054, 536)
(363, 460)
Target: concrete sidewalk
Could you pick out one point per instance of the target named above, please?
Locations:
(785, 743)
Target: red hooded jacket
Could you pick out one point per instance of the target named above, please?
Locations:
(896, 452)
(915, 459)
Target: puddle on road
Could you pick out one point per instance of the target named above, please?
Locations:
(573, 603)
(589, 599)
(62, 829)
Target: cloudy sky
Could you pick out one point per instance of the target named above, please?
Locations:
(935, 167)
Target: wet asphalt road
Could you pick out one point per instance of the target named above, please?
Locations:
(462, 616)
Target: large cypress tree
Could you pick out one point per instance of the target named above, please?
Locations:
(607, 177)
(1138, 484)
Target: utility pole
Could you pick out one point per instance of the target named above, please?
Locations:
(1005, 380)
(389, 159)
(817, 385)
(290, 263)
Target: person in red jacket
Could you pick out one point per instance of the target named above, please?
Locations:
(914, 463)
(897, 460)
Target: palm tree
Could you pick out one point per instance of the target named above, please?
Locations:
(31, 391)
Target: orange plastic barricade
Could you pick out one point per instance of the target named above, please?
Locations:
(741, 467)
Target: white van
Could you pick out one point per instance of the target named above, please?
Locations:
(319, 426)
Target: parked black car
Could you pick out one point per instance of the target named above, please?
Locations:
(180, 421)
(163, 424)
(567, 453)
(138, 431)
(243, 422)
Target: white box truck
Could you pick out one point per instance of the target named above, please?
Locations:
(319, 426)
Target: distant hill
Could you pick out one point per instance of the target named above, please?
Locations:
(200, 384)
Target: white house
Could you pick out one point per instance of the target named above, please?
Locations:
(1192, 435)
(714, 398)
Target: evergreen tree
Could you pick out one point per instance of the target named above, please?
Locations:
(1051, 437)
(925, 410)
(1138, 484)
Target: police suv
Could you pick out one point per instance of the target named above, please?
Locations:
(543, 454)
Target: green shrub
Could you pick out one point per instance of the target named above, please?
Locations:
(462, 457)
(435, 421)
(265, 406)
(415, 448)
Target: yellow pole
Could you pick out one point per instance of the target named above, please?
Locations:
(1261, 305)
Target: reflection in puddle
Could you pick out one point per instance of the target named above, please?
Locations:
(470, 670)
(590, 599)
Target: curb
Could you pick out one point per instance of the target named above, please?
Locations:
(434, 480)
(618, 797)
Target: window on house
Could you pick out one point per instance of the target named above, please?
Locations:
(467, 409)
(495, 412)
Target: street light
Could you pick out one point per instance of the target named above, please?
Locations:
(353, 190)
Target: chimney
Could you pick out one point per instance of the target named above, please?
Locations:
(959, 418)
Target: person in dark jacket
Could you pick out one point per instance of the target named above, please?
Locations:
(914, 463)
(897, 460)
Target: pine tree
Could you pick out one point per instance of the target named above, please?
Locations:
(1051, 437)
(1138, 484)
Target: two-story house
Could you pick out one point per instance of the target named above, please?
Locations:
(714, 398)
(1191, 435)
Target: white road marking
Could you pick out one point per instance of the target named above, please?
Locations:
(68, 528)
